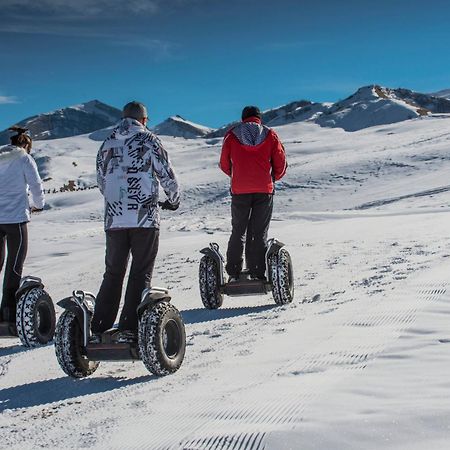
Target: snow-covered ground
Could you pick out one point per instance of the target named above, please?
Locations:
(358, 360)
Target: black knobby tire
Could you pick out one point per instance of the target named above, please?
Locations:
(35, 318)
(281, 276)
(208, 276)
(69, 347)
(162, 339)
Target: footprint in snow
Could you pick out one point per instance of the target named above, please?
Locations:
(207, 350)
(279, 331)
(245, 352)
(313, 299)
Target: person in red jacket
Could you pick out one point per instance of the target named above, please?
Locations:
(254, 157)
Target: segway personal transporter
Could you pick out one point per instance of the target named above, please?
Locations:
(279, 277)
(161, 336)
(35, 315)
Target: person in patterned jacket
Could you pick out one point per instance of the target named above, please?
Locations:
(131, 165)
(254, 157)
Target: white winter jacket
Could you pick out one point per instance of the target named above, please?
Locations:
(18, 171)
(131, 164)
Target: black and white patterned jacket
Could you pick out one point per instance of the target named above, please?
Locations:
(131, 164)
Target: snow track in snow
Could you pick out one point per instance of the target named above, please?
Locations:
(261, 408)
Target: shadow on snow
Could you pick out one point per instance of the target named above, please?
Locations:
(200, 315)
(59, 389)
(6, 351)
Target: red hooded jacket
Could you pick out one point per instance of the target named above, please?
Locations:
(253, 156)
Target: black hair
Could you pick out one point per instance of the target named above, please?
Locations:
(251, 111)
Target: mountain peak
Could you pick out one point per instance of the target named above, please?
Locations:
(69, 121)
(178, 126)
(378, 105)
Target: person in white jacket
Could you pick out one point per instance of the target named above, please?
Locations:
(131, 165)
(19, 176)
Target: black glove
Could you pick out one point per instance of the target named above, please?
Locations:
(169, 206)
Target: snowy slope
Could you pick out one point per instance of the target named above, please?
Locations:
(70, 121)
(358, 360)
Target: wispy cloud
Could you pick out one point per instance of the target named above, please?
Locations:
(73, 9)
(104, 20)
(161, 50)
(157, 48)
(76, 9)
(6, 100)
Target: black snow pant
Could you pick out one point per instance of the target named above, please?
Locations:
(250, 219)
(14, 237)
(143, 245)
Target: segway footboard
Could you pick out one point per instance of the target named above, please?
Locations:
(110, 350)
(246, 287)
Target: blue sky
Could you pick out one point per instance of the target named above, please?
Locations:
(206, 59)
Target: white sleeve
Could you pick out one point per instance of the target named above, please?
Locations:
(34, 182)
(100, 169)
(164, 172)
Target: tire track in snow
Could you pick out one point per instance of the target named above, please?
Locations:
(284, 412)
(244, 422)
(268, 412)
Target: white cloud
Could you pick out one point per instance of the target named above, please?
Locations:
(5, 100)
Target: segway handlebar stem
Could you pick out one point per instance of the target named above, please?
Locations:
(85, 300)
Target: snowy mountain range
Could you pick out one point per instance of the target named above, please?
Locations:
(70, 121)
(369, 106)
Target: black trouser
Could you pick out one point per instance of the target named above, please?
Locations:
(15, 235)
(143, 244)
(250, 215)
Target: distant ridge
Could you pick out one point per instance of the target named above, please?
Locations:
(276, 116)
(66, 122)
(445, 93)
(369, 106)
(178, 127)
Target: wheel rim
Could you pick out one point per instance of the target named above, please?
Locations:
(171, 338)
(43, 319)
